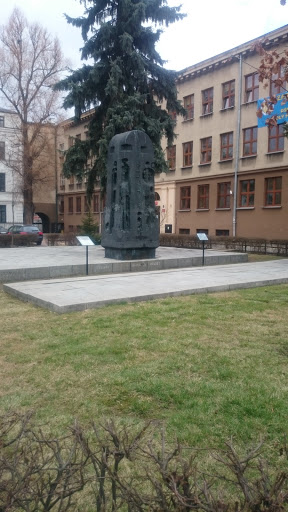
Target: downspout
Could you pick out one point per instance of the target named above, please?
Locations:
(237, 149)
(56, 176)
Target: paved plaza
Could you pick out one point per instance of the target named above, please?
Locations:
(174, 274)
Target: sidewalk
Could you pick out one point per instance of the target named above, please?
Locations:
(76, 294)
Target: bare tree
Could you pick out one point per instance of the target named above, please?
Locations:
(31, 62)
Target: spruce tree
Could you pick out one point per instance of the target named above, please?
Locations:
(126, 82)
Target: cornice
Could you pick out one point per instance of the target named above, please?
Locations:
(268, 40)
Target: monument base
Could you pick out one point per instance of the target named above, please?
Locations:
(142, 253)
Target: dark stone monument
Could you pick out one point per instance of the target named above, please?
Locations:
(131, 227)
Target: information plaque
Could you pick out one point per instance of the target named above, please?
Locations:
(85, 240)
(202, 236)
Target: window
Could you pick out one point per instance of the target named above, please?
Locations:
(187, 154)
(171, 157)
(2, 181)
(228, 94)
(206, 150)
(184, 231)
(62, 182)
(207, 101)
(189, 106)
(185, 198)
(79, 182)
(173, 115)
(61, 205)
(78, 204)
(277, 85)
(78, 136)
(71, 183)
(203, 197)
(223, 195)
(251, 87)
(273, 187)
(247, 190)
(226, 151)
(202, 231)
(222, 232)
(275, 138)
(86, 205)
(2, 150)
(96, 203)
(2, 122)
(2, 213)
(250, 141)
(70, 204)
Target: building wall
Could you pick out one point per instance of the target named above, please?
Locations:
(11, 206)
(72, 202)
(259, 220)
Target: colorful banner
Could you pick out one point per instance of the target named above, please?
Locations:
(274, 108)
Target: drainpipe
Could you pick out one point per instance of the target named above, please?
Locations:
(237, 149)
(56, 174)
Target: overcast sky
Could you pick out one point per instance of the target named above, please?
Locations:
(211, 26)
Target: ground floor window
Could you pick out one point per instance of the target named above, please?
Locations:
(203, 197)
(184, 231)
(273, 188)
(78, 204)
(247, 190)
(70, 204)
(223, 195)
(2, 213)
(202, 231)
(185, 198)
(222, 232)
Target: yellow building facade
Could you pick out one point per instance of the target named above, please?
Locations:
(226, 177)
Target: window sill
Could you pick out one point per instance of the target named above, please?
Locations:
(248, 103)
(204, 165)
(247, 156)
(225, 109)
(222, 209)
(202, 210)
(206, 115)
(272, 207)
(186, 167)
(226, 160)
(187, 210)
(245, 208)
(270, 153)
(187, 120)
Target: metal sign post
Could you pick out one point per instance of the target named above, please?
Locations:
(203, 238)
(86, 241)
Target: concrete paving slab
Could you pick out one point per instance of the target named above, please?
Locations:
(76, 294)
(27, 263)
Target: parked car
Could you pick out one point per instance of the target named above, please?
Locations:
(3, 231)
(28, 229)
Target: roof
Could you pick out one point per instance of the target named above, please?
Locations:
(6, 111)
(268, 40)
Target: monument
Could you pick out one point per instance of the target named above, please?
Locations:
(131, 227)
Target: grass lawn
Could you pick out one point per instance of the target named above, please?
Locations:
(209, 366)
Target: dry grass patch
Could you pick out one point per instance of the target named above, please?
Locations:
(209, 366)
